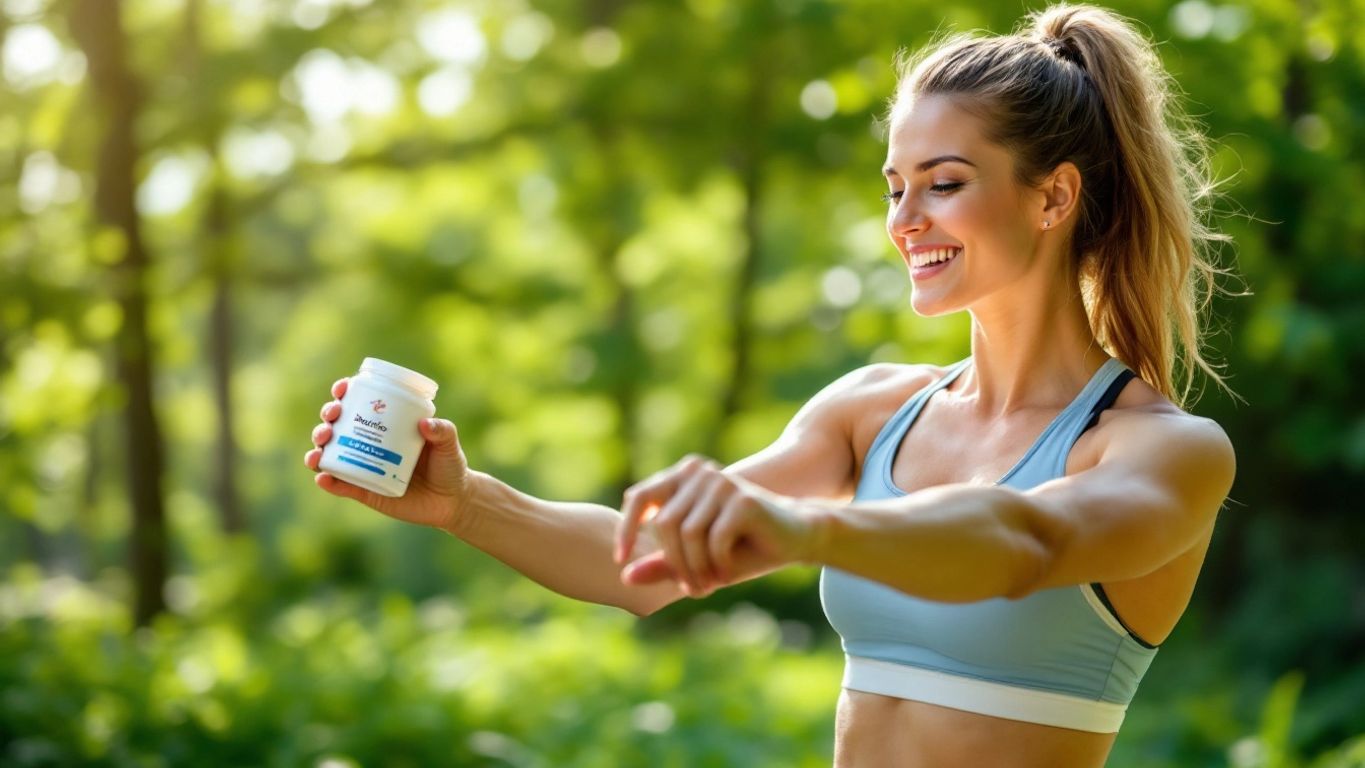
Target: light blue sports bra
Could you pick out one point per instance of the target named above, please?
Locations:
(1059, 657)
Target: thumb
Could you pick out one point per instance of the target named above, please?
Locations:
(647, 570)
(441, 433)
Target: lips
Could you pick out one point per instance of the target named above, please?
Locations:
(927, 266)
(930, 256)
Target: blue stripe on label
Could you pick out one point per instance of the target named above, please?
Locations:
(361, 464)
(370, 449)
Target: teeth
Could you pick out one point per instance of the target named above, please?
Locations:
(933, 257)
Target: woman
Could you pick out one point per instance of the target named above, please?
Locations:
(1001, 574)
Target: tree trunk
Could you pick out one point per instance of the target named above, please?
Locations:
(608, 239)
(218, 267)
(220, 347)
(749, 160)
(97, 27)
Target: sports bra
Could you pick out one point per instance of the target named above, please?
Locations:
(1059, 656)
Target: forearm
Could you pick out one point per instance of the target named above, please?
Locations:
(953, 543)
(563, 546)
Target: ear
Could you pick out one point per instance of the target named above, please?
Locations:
(1061, 195)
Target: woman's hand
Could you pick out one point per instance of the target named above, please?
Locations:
(714, 528)
(440, 484)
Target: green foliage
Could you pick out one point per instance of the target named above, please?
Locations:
(552, 209)
(381, 680)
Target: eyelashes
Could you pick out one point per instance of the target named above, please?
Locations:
(939, 189)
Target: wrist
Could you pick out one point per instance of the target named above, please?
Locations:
(820, 518)
(464, 505)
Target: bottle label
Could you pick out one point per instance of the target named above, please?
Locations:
(376, 431)
(370, 449)
(369, 467)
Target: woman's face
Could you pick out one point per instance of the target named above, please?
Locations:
(953, 190)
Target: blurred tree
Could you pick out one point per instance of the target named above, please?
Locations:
(217, 245)
(615, 232)
(98, 27)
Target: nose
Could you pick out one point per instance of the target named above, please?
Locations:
(905, 218)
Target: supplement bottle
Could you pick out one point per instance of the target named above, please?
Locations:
(375, 442)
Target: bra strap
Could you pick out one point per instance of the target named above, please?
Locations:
(1107, 399)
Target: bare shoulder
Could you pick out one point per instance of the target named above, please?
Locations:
(878, 385)
(887, 378)
(865, 398)
(1142, 419)
(820, 451)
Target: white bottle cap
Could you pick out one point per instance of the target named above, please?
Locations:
(410, 379)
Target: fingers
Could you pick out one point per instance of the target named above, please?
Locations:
(646, 497)
(648, 570)
(641, 501)
(339, 487)
(697, 556)
(679, 512)
(724, 535)
(322, 433)
(441, 433)
(635, 509)
(331, 410)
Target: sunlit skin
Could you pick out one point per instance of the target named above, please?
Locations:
(1032, 350)
(695, 526)
(1031, 342)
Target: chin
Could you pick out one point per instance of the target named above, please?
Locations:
(930, 306)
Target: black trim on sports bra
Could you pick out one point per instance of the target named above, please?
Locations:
(1110, 395)
(1106, 400)
(1099, 592)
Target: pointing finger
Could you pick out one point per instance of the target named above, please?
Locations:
(641, 502)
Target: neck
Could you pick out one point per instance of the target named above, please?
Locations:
(1030, 356)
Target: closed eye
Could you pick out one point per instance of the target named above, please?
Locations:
(938, 189)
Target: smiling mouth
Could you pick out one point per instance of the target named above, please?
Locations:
(931, 258)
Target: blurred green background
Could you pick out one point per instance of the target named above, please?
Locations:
(615, 232)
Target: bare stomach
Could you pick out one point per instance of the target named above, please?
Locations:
(875, 731)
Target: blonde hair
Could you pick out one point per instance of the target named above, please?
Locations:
(1079, 83)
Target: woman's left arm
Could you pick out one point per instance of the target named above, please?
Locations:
(1156, 488)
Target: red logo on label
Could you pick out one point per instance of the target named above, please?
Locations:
(378, 405)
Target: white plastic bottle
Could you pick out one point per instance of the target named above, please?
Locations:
(375, 442)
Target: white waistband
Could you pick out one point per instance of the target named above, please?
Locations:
(981, 696)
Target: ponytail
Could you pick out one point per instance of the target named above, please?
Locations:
(1079, 83)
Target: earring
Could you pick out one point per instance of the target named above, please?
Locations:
(1047, 224)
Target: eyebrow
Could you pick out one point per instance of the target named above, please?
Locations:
(927, 164)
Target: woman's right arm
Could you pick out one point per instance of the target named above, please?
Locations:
(563, 546)
(567, 546)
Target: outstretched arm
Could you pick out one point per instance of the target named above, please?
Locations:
(563, 546)
(1156, 489)
(567, 547)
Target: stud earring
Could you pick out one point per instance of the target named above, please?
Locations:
(1047, 224)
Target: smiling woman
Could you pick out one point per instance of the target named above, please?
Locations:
(1003, 573)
